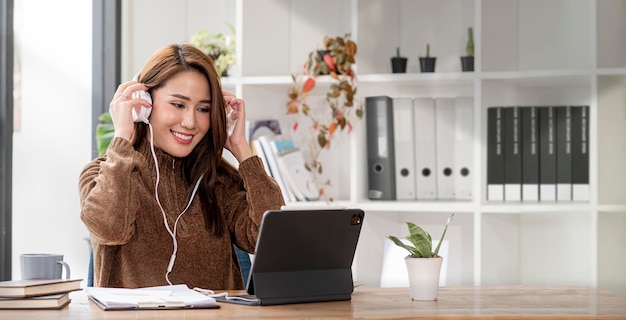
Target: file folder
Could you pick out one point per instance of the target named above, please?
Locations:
(547, 154)
(563, 154)
(512, 154)
(580, 153)
(404, 148)
(425, 148)
(445, 126)
(464, 148)
(380, 148)
(495, 156)
(530, 154)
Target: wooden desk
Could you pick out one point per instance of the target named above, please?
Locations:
(511, 302)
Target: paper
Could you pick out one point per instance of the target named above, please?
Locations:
(162, 297)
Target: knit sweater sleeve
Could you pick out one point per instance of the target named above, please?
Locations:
(108, 203)
(244, 203)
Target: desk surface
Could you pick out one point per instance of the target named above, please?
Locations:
(384, 303)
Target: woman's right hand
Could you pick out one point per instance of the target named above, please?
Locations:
(121, 106)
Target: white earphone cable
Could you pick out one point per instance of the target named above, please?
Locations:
(156, 195)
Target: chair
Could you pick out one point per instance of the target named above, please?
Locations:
(244, 263)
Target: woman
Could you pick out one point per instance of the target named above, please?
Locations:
(162, 205)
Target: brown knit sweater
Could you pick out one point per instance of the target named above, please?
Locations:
(132, 246)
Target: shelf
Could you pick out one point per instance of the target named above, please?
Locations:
(528, 52)
(533, 77)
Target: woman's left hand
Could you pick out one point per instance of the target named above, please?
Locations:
(236, 141)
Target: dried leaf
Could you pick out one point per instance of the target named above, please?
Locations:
(309, 84)
(332, 128)
(342, 122)
(292, 109)
(321, 140)
(351, 48)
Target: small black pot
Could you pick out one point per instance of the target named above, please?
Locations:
(398, 64)
(467, 63)
(427, 64)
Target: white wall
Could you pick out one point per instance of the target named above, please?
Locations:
(54, 141)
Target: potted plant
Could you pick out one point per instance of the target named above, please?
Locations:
(398, 63)
(427, 63)
(467, 61)
(423, 263)
(220, 47)
(335, 59)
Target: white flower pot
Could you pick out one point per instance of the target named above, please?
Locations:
(423, 277)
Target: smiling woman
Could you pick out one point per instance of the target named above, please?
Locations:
(173, 165)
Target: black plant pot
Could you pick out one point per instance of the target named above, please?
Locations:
(398, 64)
(467, 63)
(427, 64)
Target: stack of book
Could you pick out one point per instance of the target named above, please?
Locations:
(37, 293)
(283, 161)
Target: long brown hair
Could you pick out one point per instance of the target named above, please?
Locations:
(205, 158)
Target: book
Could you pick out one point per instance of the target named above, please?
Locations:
(258, 150)
(37, 287)
(298, 178)
(54, 301)
(273, 165)
(263, 127)
(150, 298)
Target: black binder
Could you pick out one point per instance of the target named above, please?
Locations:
(512, 154)
(580, 153)
(495, 157)
(380, 148)
(547, 154)
(530, 154)
(563, 153)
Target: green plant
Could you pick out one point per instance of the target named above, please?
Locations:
(104, 132)
(335, 58)
(469, 49)
(428, 50)
(421, 241)
(220, 47)
(398, 52)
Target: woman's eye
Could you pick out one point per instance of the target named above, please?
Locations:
(178, 105)
(204, 109)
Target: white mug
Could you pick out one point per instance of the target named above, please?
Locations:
(43, 266)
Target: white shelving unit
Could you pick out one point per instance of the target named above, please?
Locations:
(528, 52)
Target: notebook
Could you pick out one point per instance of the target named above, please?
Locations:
(303, 256)
(151, 298)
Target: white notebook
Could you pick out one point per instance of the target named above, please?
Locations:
(161, 297)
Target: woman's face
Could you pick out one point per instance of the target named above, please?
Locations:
(181, 113)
